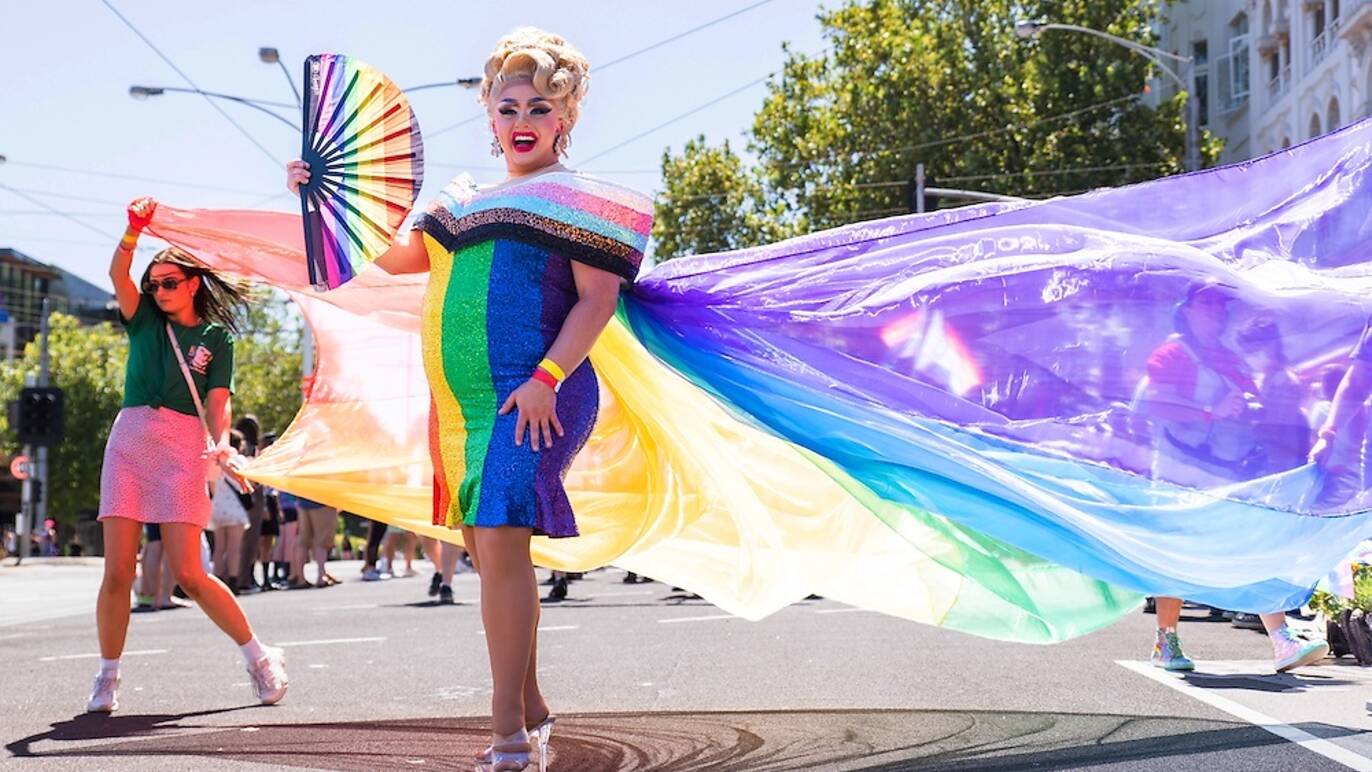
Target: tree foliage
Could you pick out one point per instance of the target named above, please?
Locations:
(87, 363)
(945, 83)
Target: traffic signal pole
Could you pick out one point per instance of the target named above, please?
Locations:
(40, 508)
(34, 509)
(25, 525)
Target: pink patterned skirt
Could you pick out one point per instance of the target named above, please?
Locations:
(153, 470)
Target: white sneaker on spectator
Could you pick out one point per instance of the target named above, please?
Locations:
(269, 676)
(1290, 652)
(104, 695)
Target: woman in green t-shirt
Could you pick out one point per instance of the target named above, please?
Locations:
(156, 459)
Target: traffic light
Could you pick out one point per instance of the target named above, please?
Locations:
(37, 416)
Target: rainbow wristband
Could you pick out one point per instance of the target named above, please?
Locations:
(553, 369)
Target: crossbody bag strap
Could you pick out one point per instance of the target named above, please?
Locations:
(190, 383)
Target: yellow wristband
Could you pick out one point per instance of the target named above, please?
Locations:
(553, 369)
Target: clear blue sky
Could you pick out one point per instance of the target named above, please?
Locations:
(68, 65)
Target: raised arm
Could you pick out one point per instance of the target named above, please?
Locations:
(125, 290)
(405, 255)
(1352, 393)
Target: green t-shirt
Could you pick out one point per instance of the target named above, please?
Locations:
(153, 377)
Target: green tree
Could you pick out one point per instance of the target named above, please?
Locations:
(87, 363)
(711, 203)
(267, 361)
(945, 83)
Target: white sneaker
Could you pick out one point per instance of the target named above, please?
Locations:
(104, 695)
(269, 676)
(1290, 652)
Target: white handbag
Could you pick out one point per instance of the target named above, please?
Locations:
(232, 465)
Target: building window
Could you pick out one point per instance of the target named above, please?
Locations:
(1238, 60)
(1200, 62)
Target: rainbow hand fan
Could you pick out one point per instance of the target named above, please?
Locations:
(366, 160)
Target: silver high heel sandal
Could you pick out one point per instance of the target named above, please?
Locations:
(506, 754)
(544, 733)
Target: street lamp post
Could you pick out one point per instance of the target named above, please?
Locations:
(1028, 29)
(270, 55)
(147, 92)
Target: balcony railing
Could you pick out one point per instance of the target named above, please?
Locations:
(1278, 85)
(1318, 48)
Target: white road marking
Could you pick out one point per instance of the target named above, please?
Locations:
(328, 641)
(549, 628)
(694, 619)
(1285, 731)
(347, 607)
(96, 655)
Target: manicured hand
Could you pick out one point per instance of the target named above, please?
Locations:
(537, 406)
(297, 174)
(140, 212)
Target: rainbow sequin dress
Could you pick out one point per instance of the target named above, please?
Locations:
(500, 287)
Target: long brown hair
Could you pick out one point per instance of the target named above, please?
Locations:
(218, 300)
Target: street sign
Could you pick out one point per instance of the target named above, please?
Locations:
(19, 467)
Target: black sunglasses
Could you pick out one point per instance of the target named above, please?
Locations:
(169, 284)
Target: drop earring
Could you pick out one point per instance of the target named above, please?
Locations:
(496, 150)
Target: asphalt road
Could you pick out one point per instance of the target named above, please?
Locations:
(647, 679)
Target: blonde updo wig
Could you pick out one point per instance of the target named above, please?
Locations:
(557, 70)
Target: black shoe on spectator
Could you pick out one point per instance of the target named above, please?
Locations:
(558, 592)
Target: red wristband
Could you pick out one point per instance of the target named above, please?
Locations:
(545, 377)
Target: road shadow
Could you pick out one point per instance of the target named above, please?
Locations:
(884, 740)
(1268, 682)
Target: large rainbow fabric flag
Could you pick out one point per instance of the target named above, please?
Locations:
(1009, 420)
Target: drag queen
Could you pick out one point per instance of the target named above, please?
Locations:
(523, 277)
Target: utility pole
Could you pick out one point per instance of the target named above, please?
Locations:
(919, 188)
(40, 508)
(24, 528)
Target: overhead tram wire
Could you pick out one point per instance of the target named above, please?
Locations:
(38, 202)
(192, 83)
(686, 114)
(910, 148)
(69, 197)
(977, 135)
(41, 213)
(133, 177)
(621, 59)
(681, 35)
